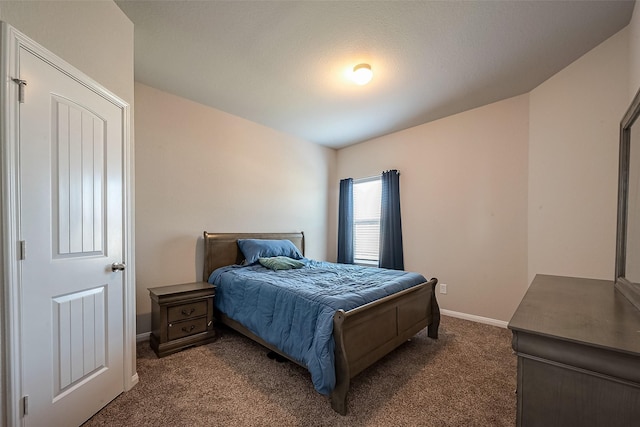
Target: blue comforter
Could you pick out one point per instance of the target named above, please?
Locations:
(293, 309)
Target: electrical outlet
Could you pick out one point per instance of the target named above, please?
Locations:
(443, 288)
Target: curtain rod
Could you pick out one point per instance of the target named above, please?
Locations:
(371, 178)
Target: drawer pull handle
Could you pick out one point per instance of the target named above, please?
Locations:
(191, 328)
(188, 313)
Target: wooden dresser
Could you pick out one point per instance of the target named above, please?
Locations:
(578, 347)
(181, 316)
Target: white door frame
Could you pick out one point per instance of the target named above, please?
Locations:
(11, 41)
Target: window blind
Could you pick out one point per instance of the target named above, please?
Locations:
(366, 219)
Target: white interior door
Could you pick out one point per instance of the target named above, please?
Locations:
(71, 220)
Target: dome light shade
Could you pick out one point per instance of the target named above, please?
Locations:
(362, 74)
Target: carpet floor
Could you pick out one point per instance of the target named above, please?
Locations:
(465, 378)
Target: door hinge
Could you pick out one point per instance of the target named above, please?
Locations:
(25, 405)
(21, 84)
(22, 250)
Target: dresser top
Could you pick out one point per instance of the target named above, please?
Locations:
(587, 311)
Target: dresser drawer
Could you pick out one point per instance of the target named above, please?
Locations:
(187, 311)
(186, 328)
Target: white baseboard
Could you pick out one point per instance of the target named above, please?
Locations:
(474, 318)
(493, 322)
(143, 337)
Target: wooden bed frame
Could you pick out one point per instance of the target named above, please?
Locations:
(363, 335)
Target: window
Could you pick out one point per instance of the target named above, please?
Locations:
(367, 195)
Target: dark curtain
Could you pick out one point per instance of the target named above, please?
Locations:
(345, 222)
(391, 255)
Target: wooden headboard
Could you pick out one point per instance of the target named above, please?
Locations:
(222, 249)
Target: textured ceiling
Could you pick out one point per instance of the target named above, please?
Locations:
(283, 63)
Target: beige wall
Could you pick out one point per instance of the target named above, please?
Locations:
(463, 200)
(200, 169)
(634, 52)
(573, 163)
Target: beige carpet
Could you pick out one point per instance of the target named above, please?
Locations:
(465, 378)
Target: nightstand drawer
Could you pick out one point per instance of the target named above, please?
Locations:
(186, 328)
(187, 311)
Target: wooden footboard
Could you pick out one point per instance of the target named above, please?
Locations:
(366, 334)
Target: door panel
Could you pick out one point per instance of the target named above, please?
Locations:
(78, 144)
(71, 218)
(79, 337)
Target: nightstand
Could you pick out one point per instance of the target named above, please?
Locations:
(181, 316)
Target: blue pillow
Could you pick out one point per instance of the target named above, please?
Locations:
(254, 249)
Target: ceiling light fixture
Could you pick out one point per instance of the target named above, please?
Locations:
(362, 74)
